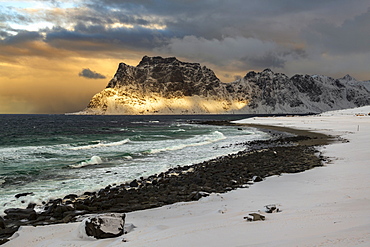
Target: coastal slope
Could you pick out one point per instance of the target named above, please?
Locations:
(325, 206)
(169, 86)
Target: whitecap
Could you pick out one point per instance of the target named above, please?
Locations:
(179, 130)
(196, 141)
(109, 144)
(95, 160)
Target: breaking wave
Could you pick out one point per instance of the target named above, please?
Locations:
(99, 145)
(193, 142)
(95, 160)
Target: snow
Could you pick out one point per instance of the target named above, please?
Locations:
(325, 206)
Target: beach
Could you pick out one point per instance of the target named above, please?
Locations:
(325, 206)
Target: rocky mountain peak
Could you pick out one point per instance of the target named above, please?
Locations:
(267, 71)
(152, 61)
(250, 74)
(160, 85)
(168, 77)
(347, 77)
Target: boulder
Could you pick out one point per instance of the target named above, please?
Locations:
(3, 240)
(19, 213)
(134, 184)
(103, 226)
(254, 217)
(257, 179)
(272, 208)
(23, 194)
(2, 223)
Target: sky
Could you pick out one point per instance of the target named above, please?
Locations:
(56, 54)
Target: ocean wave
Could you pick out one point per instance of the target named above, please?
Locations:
(99, 145)
(95, 160)
(179, 130)
(193, 142)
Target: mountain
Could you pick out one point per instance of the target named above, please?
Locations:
(168, 86)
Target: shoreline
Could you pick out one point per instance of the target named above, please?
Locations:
(325, 206)
(281, 154)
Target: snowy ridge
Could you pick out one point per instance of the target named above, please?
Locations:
(168, 86)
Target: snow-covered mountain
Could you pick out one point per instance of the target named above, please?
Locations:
(168, 86)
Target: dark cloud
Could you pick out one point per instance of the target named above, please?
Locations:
(87, 73)
(21, 37)
(351, 36)
(245, 34)
(105, 39)
(269, 60)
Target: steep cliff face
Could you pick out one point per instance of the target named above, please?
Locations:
(168, 86)
(164, 86)
(167, 77)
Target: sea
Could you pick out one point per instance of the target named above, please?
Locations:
(49, 156)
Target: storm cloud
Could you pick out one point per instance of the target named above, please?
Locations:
(88, 73)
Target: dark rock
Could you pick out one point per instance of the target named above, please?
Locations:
(196, 195)
(19, 213)
(59, 210)
(2, 223)
(31, 205)
(104, 226)
(134, 184)
(70, 196)
(23, 194)
(89, 193)
(254, 217)
(8, 231)
(257, 179)
(272, 209)
(3, 240)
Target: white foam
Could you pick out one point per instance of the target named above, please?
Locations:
(198, 141)
(179, 130)
(99, 145)
(95, 160)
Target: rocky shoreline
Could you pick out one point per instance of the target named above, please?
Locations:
(283, 153)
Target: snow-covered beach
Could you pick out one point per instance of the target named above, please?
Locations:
(325, 206)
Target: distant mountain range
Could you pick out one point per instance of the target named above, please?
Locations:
(168, 86)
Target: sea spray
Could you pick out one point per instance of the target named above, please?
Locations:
(95, 160)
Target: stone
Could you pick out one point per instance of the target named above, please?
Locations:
(2, 223)
(23, 194)
(104, 226)
(3, 240)
(254, 217)
(70, 196)
(257, 179)
(196, 195)
(272, 208)
(19, 213)
(134, 184)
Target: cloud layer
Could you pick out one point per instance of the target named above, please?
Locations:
(231, 37)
